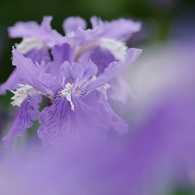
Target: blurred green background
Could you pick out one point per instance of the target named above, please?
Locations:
(162, 20)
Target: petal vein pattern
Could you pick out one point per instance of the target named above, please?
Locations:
(33, 75)
(89, 122)
(26, 115)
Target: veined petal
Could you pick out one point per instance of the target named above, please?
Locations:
(60, 53)
(90, 69)
(76, 70)
(114, 69)
(60, 125)
(15, 77)
(65, 70)
(73, 70)
(117, 123)
(42, 32)
(26, 115)
(33, 75)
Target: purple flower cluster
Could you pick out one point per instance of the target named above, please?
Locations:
(78, 73)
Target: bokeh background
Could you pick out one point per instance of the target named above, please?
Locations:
(162, 21)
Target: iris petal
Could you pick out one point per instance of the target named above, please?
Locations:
(115, 68)
(11, 83)
(34, 75)
(120, 29)
(71, 24)
(60, 125)
(26, 115)
(42, 32)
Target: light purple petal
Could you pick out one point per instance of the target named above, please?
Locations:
(60, 54)
(46, 23)
(119, 90)
(102, 58)
(121, 98)
(115, 69)
(71, 24)
(21, 29)
(73, 71)
(81, 71)
(117, 123)
(65, 70)
(11, 83)
(27, 114)
(15, 78)
(90, 69)
(38, 55)
(42, 32)
(60, 125)
(76, 70)
(120, 29)
(33, 75)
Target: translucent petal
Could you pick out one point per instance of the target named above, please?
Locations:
(114, 69)
(119, 90)
(117, 123)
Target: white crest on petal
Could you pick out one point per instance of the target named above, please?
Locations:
(67, 91)
(117, 48)
(21, 94)
(28, 44)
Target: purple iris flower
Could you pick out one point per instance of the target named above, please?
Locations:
(79, 109)
(78, 73)
(103, 44)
